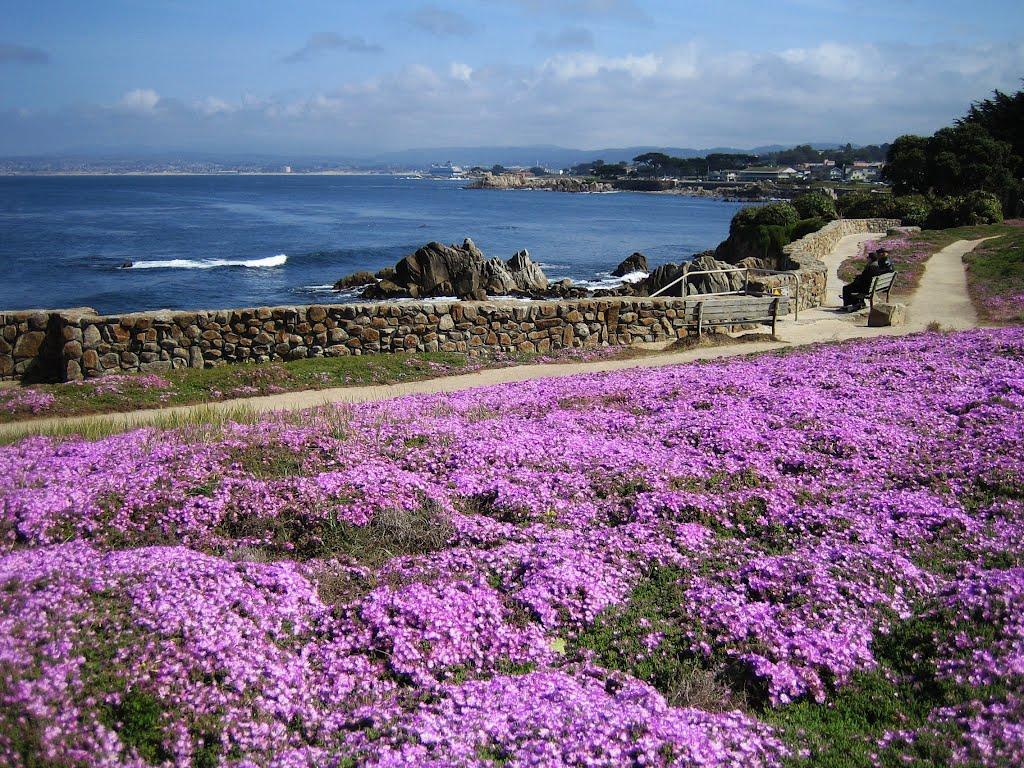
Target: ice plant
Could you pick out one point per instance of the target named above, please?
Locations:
(545, 573)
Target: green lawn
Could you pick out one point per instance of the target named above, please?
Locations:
(131, 392)
(995, 278)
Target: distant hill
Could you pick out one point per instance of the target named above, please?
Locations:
(146, 159)
(551, 156)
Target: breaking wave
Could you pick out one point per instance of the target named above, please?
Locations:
(269, 261)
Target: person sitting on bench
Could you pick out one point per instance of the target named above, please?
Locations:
(854, 292)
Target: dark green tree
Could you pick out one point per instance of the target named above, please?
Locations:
(907, 165)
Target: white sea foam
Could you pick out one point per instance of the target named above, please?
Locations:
(605, 280)
(269, 261)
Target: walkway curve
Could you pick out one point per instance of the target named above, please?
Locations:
(941, 297)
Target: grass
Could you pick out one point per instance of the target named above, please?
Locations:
(191, 386)
(133, 392)
(995, 278)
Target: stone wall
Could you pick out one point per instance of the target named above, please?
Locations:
(805, 257)
(88, 345)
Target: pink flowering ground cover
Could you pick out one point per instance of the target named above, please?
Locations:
(812, 558)
(995, 276)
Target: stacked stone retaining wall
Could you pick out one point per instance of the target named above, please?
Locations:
(88, 345)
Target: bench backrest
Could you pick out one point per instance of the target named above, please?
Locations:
(733, 310)
(882, 282)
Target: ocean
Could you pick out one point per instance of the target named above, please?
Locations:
(204, 242)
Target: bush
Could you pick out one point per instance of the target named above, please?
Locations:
(816, 205)
(806, 226)
(968, 210)
(980, 208)
(776, 215)
(866, 205)
(744, 219)
(912, 210)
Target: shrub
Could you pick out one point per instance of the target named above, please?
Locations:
(806, 226)
(912, 210)
(866, 205)
(744, 219)
(980, 207)
(968, 210)
(776, 215)
(816, 205)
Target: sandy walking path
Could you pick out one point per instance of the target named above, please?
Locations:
(941, 297)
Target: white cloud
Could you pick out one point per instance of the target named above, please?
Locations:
(686, 95)
(587, 65)
(140, 100)
(834, 61)
(459, 71)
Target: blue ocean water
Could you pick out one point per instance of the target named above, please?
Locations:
(201, 242)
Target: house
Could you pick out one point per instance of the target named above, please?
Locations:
(863, 171)
(766, 174)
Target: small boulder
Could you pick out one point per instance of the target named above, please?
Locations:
(634, 263)
(884, 315)
(355, 280)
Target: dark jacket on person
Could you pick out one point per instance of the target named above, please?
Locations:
(862, 282)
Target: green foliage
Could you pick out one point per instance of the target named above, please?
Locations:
(973, 209)
(806, 227)
(771, 240)
(866, 205)
(980, 207)
(912, 210)
(138, 721)
(1002, 116)
(618, 640)
(816, 205)
(984, 151)
(777, 215)
(744, 218)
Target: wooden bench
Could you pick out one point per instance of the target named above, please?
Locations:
(880, 283)
(734, 310)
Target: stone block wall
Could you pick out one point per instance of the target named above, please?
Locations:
(29, 348)
(88, 345)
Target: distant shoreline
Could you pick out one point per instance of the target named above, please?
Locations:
(8, 174)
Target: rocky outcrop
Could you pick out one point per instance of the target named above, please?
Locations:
(355, 280)
(637, 262)
(455, 270)
(553, 183)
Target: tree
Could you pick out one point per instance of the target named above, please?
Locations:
(907, 165)
(610, 171)
(1002, 116)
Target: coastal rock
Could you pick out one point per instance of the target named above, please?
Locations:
(662, 276)
(634, 263)
(715, 282)
(458, 270)
(355, 280)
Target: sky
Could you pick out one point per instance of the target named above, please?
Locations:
(353, 78)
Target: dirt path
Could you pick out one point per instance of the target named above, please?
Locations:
(941, 297)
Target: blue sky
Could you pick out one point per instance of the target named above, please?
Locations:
(348, 77)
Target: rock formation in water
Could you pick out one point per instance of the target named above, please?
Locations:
(454, 270)
(636, 262)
